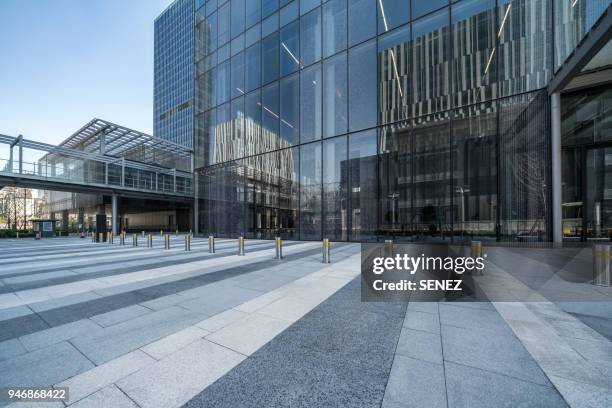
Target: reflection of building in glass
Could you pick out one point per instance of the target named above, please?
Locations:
(173, 79)
(356, 120)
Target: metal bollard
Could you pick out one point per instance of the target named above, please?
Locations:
(122, 238)
(211, 244)
(602, 254)
(187, 242)
(149, 241)
(111, 238)
(176, 233)
(326, 250)
(100, 237)
(241, 246)
(278, 243)
(166, 241)
(476, 252)
(134, 240)
(388, 248)
(143, 234)
(161, 232)
(93, 237)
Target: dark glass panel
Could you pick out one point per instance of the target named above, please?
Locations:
(238, 15)
(270, 117)
(361, 21)
(253, 67)
(524, 134)
(310, 104)
(290, 49)
(223, 82)
(362, 86)
(474, 60)
(430, 64)
(310, 33)
(394, 74)
(310, 191)
(289, 192)
(335, 181)
(253, 12)
(363, 186)
(290, 111)
(422, 7)
(524, 45)
(474, 137)
(252, 113)
(335, 118)
(395, 178)
(392, 13)
(334, 27)
(270, 58)
(238, 75)
(224, 24)
(432, 209)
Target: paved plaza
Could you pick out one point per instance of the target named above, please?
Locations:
(125, 326)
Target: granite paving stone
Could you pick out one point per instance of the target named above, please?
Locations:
(43, 367)
(469, 387)
(90, 381)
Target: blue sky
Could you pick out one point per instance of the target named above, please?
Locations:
(64, 62)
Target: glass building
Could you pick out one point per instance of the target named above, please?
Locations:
(358, 120)
(173, 73)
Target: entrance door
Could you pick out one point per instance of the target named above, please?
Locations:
(598, 194)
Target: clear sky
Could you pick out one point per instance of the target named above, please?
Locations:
(64, 62)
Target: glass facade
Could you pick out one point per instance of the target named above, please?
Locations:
(363, 119)
(173, 98)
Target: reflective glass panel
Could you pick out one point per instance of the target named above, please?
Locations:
(335, 120)
(310, 191)
(334, 27)
(310, 104)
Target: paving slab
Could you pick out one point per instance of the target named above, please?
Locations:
(420, 345)
(110, 396)
(114, 341)
(469, 387)
(218, 321)
(416, 383)
(43, 367)
(175, 379)
(480, 348)
(422, 321)
(58, 334)
(11, 348)
(120, 315)
(91, 381)
(174, 342)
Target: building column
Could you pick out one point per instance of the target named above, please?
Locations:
(65, 216)
(555, 117)
(114, 215)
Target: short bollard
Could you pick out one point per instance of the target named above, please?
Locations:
(211, 244)
(161, 232)
(278, 243)
(111, 238)
(93, 237)
(100, 237)
(176, 233)
(476, 252)
(602, 254)
(134, 240)
(326, 250)
(149, 241)
(191, 233)
(241, 246)
(166, 241)
(143, 234)
(388, 248)
(187, 242)
(122, 238)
